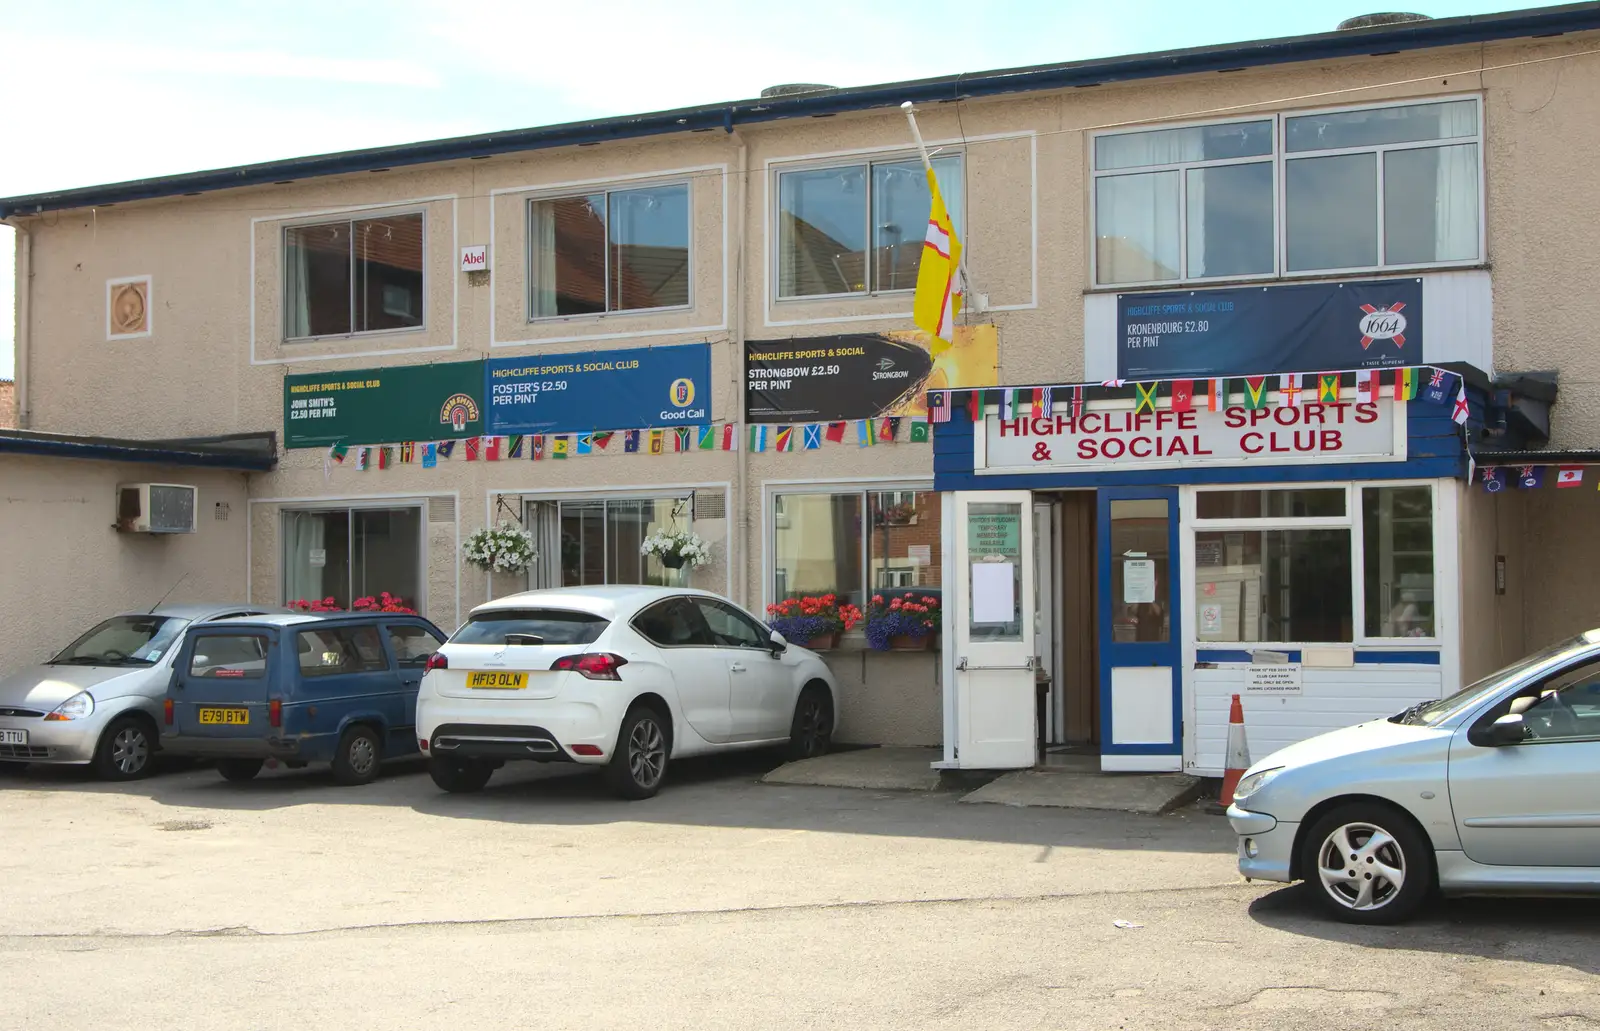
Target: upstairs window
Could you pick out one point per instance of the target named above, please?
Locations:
(858, 229)
(609, 251)
(1395, 186)
(353, 276)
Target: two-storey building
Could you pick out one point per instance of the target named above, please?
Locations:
(1198, 433)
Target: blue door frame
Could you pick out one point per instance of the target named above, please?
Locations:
(1124, 654)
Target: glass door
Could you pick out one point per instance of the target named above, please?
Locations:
(1140, 666)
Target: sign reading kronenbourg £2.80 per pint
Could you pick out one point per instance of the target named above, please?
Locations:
(1118, 438)
(633, 388)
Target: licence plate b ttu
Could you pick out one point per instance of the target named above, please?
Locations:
(13, 737)
(497, 680)
(224, 717)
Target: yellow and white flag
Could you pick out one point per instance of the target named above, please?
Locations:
(938, 298)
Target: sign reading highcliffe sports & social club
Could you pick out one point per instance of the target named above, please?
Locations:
(1106, 437)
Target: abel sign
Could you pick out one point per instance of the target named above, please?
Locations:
(1117, 438)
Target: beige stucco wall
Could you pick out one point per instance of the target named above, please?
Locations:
(215, 360)
(66, 569)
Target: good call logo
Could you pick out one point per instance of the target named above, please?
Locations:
(1383, 324)
(457, 411)
(681, 393)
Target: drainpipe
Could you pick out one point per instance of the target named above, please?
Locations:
(741, 536)
(24, 324)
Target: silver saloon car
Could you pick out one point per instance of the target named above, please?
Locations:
(99, 702)
(1493, 790)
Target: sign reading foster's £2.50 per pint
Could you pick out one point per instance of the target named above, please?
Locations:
(633, 388)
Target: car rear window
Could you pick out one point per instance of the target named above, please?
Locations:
(551, 626)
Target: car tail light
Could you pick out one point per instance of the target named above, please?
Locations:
(422, 743)
(587, 750)
(166, 711)
(594, 665)
(275, 712)
(436, 661)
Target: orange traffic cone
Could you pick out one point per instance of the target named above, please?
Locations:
(1238, 752)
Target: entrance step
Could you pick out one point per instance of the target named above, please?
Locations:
(882, 769)
(1075, 787)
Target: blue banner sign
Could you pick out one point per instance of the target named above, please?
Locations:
(635, 388)
(1305, 327)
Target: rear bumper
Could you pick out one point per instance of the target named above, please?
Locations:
(496, 741)
(307, 750)
(542, 731)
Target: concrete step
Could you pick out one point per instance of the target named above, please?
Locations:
(1079, 788)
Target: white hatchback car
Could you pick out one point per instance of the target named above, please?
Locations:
(623, 677)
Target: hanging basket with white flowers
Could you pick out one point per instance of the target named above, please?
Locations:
(506, 548)
(677, 548)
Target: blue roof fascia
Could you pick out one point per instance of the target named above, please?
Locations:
(126, 452)
(1408, 36)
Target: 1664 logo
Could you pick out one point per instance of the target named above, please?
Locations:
(1383, 324)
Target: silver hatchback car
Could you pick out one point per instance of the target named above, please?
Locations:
(1493, 790)
(99, 702)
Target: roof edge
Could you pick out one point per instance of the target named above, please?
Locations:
(243, 452)
(1531, 23)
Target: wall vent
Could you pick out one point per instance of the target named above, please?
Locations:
(710, 504)
(442, 508)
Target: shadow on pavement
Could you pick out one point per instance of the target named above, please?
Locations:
(718, 791)
(1531, 930)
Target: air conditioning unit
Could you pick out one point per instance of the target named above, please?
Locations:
(155, 508)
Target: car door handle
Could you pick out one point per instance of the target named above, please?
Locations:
(737, 667)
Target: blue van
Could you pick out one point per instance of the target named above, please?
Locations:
(299, 688)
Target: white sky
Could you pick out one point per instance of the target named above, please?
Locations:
(98, 92)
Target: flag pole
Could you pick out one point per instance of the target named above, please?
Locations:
(916, 134)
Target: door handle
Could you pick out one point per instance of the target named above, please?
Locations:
(737, 667)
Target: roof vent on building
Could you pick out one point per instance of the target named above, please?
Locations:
(1371, 21)
(793, 89)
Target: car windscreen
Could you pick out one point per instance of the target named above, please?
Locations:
(531, 626)
(1437, 712)
(124, 641)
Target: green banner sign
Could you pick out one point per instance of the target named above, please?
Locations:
(383, 406)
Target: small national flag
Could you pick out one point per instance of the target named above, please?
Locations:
(813, 436)
(491, 449)
(1047, 401)
(919, 430)
(1289, 390)
(708, 438)
(866, 432)
(1494, 480)
(1114, 383)
(385, 457)
(975, 405)
(835, 433)
(1569, 476)
(337, 453)
(536, 447)
(602, 439)
(1183, 395)
(560, 446)
(1405, 384)
(517, 444)
(783, 439)
(447, 448)
(890, 430)
(682, 439)
(361, 458)
(408, 453)
(430, 456)
(1145, 393)
(1460, 411)
(585, 444)
(630, 441)
(1328, 389)
(658, 444)
(474, 445)
(1077, 403)
(1530, 477)
(939, 405)
(1366, 387)
(1008, 404)
(1438, 388)
(1255, 392)
(729, 437)
(758, 438)
(1216, 394)
(1038, 403)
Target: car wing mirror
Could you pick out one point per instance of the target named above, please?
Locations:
(1509, 729)
(779, 644)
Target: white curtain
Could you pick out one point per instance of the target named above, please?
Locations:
(1136, 227)
(296, 288)
(1455, 221)
(544, 520)
(303, 532)
(544, 259)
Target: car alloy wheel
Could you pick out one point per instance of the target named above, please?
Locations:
(1362, 866)
(130, 750)
(647, 753)
(125, 750)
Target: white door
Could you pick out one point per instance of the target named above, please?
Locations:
(698, 666)
(990, 628)
(762, 692)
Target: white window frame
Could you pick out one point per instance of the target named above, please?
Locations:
(891, 157)
(1279, 159)
(1351, 521)
(350, 508)
(349, 218)
(770, 512)
(676, 496)
(608, 187)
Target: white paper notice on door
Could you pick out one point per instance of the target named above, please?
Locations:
(1138, 581)
(994, 596)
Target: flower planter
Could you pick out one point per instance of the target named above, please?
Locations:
(672, 561)
(910, 643)
(825, 643)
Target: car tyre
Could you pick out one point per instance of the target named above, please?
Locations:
(125, 750)
(1384, 869)
(360, 752)
(644, 746)
(811, 730)
(459, 776)
(239, 770)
